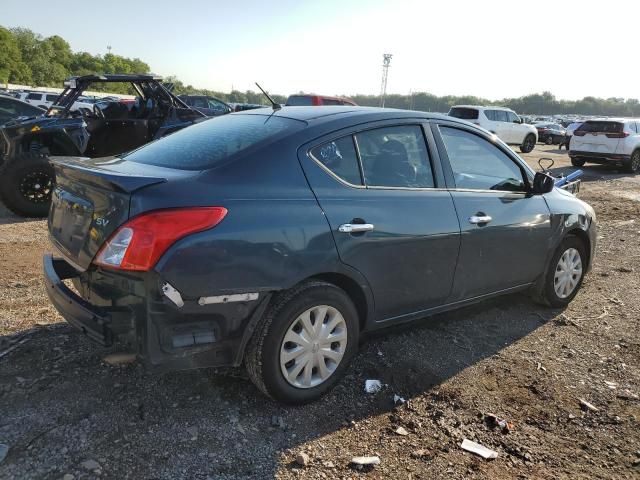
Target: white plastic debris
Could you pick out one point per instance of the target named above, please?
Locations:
(372, 386)
(587, 406)
(375, 460)
(401, 431)
(478, 449)
(397, 399)
(611, 385)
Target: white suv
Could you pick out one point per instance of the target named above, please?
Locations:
(503, 122)
(609, 140)
(41, 99)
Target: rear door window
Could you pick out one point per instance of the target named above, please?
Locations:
(501, 116)
(52, 98)
(212, 141)
(464, 113)
(491, 115)
(395, 157)
(340, 158)
(478, 164)
(34, 96)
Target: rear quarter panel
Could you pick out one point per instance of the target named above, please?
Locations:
(274, 234)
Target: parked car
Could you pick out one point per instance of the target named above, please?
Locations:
(12, 109)
(550, 133)
(615, 141)
(241, 107)
(503, 122)
(569, 133)
(107, 128)
(303, 100)
(210, 106)
(41, 99)
(274, 238)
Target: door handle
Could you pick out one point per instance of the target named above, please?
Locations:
(355, 227)
(480, 219)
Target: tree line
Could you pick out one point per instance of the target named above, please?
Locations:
(27, 58)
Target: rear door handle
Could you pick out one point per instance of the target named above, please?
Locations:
(355, 227)
(480, 219)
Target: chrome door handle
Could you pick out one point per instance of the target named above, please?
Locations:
(480, 219)
(355, 227)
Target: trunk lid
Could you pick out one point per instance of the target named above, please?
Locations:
(91, 200)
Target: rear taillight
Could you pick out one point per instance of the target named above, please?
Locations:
(617, 135)
(579, 133)
(139, 243)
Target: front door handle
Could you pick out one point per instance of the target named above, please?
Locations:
(355, 227)
(480, 219)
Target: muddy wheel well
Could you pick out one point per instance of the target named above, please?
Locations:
(354, 291)
(584, 238)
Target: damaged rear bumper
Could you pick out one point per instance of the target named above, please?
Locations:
(135, 309)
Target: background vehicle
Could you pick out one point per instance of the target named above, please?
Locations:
(501, 121)
(210, 106)
(303, 100)
(550, 133)
(12, 108)
(615, 141)
(107, 128)
(41, 99)
(264, 237)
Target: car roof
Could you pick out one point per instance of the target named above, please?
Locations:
(483, 107)
(22, 102)
(323, 113)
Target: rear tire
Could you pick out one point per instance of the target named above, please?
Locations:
(267, 351)
(549, 140)
(633, 165)
(528, 143)
(578, 162)
(26, 183)
(565, 273)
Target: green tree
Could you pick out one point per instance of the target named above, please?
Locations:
(12, 67)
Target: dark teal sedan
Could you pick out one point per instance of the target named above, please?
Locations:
(275, 238)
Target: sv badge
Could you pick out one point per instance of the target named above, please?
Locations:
(102, 222)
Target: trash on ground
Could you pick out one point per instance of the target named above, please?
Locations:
(401, 431)
(493, 421)
(372, 386)
(587, 406)
(397, 399)
(611, 385)
(422, 453)
(375, 460)
(117, 359)
(478, 449)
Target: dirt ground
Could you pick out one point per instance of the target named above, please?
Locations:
(65, 413)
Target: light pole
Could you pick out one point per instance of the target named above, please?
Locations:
(386, 60)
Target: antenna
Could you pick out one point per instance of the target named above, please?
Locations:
(386, 60)
(274, 105)
(109, 48)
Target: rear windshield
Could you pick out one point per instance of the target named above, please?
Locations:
(601, 127)
(464, 113)
(299, 101)
(203, 145)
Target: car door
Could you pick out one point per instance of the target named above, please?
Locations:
(505, 230)
(382, 194)
(516, 130)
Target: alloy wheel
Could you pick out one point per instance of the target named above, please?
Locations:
(635, 162)
(36, 187)
(568, 273)
(313, 346)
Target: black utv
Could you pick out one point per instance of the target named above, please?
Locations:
(72, 127)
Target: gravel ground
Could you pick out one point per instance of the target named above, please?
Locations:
(66, 413)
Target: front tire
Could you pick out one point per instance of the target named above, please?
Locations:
(26, 184)
(304, 343)
(566, 271)
(633, 165)
(528, 143)
(578, 162)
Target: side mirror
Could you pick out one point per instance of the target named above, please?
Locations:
(542, 183)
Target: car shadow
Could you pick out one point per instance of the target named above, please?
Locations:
(61, 400)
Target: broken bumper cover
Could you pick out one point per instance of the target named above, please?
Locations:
(136, 310)
(90, 320)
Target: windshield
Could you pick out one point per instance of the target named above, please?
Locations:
(205, 144)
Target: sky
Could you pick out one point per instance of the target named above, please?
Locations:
(489, 48)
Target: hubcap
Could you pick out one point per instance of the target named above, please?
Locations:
(313, 346)
(36, 187)
(568, 273)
